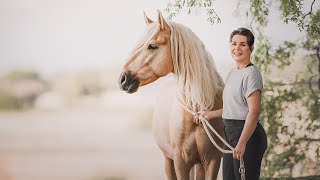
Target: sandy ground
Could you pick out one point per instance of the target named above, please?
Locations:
(90, 141)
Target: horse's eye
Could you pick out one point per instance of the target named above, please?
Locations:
(152, 46)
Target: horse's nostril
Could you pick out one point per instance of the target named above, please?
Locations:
(123, 79)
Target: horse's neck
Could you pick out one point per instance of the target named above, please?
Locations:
(217, 99)
(166, 89)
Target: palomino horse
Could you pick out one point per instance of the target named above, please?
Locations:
(168, 47)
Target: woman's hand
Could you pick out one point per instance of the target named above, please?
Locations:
(206, 114)
(239, 151)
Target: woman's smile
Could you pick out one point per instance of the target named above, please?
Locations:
(237, 53)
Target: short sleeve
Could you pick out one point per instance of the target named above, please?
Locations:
(252, 83)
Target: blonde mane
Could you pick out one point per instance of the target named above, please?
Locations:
(194, 69)
(198, 79)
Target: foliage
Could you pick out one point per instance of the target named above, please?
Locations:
(290, 107)
(9, 102)
(19, 75)
(19, 89)
(78, 84)
(174, 8)
(295, 101)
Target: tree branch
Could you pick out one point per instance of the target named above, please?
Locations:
(318, 56)
(309, 11)
(308, 139)
(310, 86)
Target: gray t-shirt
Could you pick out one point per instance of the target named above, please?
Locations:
(239, 85)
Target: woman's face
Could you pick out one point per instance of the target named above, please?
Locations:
(240, 50)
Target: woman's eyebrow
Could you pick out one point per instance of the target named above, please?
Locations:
(239, 42)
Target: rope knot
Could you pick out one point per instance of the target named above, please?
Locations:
(242, 170)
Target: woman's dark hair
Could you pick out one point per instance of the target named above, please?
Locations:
(244, 32)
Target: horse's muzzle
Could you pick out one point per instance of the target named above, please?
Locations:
(128, 83)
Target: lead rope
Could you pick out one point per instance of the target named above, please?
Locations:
(206, 124)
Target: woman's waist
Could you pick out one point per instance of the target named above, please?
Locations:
(232, 122)
(237, 123)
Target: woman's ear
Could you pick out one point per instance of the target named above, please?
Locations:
(251, 48)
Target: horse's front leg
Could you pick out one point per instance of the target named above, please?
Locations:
(182, 169)
(212, 169)
(199, 172)
(169, 167)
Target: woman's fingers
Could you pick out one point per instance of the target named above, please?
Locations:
(196, 119)
(237, 154)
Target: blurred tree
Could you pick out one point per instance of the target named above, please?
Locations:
(290, 107)
(19, 89)
(8, 101)
(75, 85)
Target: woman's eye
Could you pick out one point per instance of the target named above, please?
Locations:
(152, 46)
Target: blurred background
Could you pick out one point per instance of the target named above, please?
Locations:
(62, 115)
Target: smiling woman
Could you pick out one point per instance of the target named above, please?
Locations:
(241, 49)
(241, 109)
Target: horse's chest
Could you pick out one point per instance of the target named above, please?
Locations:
(172, 134)
(179, 143)
(186, 148)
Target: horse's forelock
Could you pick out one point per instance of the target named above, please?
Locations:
(152, 30)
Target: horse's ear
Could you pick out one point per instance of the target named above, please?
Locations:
(162, 22)
(148, 20)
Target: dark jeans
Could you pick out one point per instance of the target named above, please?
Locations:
(255, 149)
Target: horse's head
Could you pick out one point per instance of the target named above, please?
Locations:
(150, 60)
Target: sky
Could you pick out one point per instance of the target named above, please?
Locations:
(52, 36)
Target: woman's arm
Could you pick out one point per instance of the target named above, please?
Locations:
(209, 115)
(250, 125)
